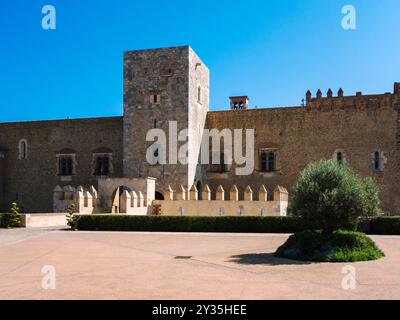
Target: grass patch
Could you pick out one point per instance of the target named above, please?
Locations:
(340, 246)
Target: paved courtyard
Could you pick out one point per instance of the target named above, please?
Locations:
(106, 265)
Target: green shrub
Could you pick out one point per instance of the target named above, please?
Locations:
(385, 225)
(15, 216)
(71, 217)
(330, 194)
(339, 246)
(192, 224)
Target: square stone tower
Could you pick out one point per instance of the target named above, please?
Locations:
(163, 85)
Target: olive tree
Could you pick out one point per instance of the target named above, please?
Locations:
(331, 196)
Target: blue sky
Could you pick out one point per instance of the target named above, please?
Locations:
(271, 50)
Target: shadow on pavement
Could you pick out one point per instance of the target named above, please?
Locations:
(264, 258)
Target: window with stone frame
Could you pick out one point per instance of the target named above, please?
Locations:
(23, 149)
(340, 156)
(378, 161)
(155, 98)
(267, 158)
(102, 165)
(66, 165)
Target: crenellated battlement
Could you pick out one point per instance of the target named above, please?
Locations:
(357, 101)
(193, 202)
(85, 201)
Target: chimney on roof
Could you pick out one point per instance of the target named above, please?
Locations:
(239, 103)
(396, 87)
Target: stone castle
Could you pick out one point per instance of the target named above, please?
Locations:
(40, 161)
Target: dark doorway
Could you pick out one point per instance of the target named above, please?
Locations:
(159, 196)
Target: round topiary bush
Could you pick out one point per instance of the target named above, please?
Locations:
(331, 196)
(339, 246)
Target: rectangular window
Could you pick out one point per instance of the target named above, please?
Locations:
(102, 166)
(65, 166)
(267, 160)
(155, 98)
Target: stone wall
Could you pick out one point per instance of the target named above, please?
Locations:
(42, 220)
(357, 125)
(31, 181)
(199, 105)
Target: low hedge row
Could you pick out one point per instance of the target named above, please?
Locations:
(193, 224)
(4, 220)
(385, 225)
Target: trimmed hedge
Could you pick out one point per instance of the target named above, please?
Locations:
(385, 225)
(381, 225)
(4, 220)
(193, 224)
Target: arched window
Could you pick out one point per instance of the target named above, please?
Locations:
(199, 94)
(159, 196)
(23, 149)
(377, 160)
(339, 157)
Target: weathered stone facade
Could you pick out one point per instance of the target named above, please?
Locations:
(29, 180)
(172, 84)
(161, 86)
(358, 125)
